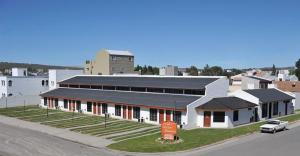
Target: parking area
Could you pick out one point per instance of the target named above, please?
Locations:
(97, 126)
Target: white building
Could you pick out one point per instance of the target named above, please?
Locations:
(190, 101)
(56, 75)
(169, 71)
(19, 84)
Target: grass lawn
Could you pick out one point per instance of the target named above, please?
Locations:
(111, 128)
(192, 138)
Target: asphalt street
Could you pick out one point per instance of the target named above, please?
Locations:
(15, 141)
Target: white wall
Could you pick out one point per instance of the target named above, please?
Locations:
(297, 100)
(217, 88)
(244, 116)
(3, 88)
(26, 85)
(56, 76)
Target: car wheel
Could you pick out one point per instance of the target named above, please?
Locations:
(274, 131)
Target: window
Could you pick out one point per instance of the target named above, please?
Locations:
(114, 58)
(47, 82)
(138, 89)
(10, 83)
(123, 88)
(136, 112)
(96, 87)
(89, 107)
(65, 104)
(45, 101)
(104, 108)
(219, 116)
(52, 83)
(275, 108)
(109, 88)
(43, 82)
(156, 90)
(264, 110)
(3, 83)
(63, 85)
(78, 105)
(10, 94)
(177, 117)
(236, 115)
(153, 114)
(194, 92)
(130, 59)
(174, 91)
(117, 110)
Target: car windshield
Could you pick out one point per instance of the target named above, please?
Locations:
(273, 122)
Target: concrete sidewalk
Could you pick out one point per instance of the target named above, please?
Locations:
(57, 132)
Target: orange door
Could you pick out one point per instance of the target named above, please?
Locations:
(94, 108)
(168, 115)
(161, 116)
(129, 112)
(124, 112)
(207, 119)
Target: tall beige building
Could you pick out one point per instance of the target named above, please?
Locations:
(109, 62)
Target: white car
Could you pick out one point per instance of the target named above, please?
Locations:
(274, 126)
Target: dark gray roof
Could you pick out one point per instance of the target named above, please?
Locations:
(269, 95)
(140, 81)
(232, 103)
(133, 98)
(260, 79)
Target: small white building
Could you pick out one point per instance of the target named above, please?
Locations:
(56, 75)
(19, 84)
(271, 102)
(169, 70)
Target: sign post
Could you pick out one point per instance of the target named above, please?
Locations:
(168, 130)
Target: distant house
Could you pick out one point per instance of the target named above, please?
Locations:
(169, 70)
(291, 87)
(254, 82)
(109, 62)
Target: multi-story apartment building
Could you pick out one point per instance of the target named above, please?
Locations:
(109, 62)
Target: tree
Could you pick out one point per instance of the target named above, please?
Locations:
(193, 70)
(297, 71)
(273, 70)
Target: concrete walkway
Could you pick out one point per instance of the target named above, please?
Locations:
(57, 132)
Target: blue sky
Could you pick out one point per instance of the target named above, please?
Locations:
(240, 34)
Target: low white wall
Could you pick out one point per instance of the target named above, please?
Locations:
(14, 101)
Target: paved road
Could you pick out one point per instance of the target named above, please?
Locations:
(15, 141)
(286, 143)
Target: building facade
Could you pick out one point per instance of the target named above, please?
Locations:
(109, 62)
(19, 84)
(150, 99)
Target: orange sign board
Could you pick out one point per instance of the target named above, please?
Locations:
(168, 130)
